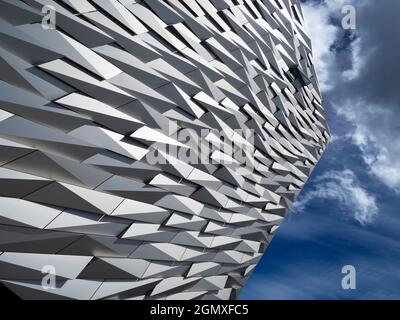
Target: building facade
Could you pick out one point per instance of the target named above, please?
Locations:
(150, 149)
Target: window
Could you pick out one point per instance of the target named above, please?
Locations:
(297, 74)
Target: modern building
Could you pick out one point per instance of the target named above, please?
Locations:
(150, 149)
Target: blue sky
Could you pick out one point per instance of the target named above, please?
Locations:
(347, 214)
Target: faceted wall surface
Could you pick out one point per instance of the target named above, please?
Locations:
(150, 149)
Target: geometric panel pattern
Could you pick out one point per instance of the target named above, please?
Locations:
(86, 107)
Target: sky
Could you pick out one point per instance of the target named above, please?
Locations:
(347, 213)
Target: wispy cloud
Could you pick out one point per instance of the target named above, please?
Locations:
(372, 133)
(343, 187)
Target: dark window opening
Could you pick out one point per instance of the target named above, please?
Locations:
(297, 74)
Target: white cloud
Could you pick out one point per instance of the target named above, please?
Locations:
(323, 35)
(343, 187)
(357, 61)
(336, 138)
(372, 134)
